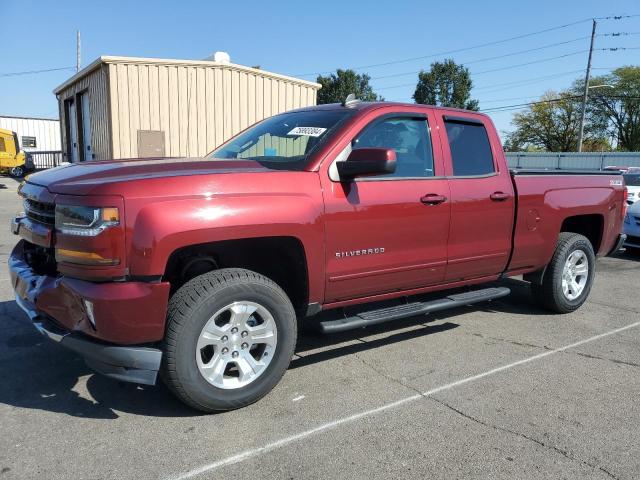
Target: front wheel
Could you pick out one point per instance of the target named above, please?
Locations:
(568, 278)
(231, 334)
(17, 172)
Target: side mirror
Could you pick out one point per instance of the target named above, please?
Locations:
(367, 162)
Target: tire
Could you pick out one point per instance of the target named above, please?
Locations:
(551, 294)
(17, 172)
(218, 300)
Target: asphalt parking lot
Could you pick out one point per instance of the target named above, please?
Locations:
(504, 391)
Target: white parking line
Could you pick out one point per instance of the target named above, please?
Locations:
(247, 454)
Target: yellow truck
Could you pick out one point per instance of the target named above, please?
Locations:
(12, 159)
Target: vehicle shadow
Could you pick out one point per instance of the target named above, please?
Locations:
(39, 374)
(333, 346)
(630, 254)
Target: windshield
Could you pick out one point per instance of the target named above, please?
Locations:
(283, 142)
(632, 179)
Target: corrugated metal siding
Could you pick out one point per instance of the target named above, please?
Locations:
(281, 146)
(95, 83)
(572, 160)
(46, 131)
(197, 106)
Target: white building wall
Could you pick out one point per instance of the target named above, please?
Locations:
(46, 131)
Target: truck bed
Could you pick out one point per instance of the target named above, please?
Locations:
(548, 201)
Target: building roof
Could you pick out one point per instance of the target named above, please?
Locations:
(164, 61)
(18, 117)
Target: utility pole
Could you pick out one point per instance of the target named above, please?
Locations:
(77, 50)
(586, 88)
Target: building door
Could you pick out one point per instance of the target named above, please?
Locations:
(72, 130)
(85, 122)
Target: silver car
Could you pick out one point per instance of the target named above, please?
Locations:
(631, 226)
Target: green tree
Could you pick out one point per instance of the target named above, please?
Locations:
(337, 86)
(616, 105)
(551, 124)
(446, 84)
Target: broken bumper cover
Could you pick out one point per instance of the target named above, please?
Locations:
(127, 316)
(126, 363)
(622, 238)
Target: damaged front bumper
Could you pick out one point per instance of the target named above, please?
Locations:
(55, 306)
(126, 363)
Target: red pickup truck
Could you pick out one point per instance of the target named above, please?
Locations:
(202, 269)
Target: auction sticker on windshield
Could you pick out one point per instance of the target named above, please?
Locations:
(307, 131)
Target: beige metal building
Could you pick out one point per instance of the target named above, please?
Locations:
(123, 107)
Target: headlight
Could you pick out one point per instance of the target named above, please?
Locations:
(85, 221)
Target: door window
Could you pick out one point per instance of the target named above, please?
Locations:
(470, 149)
(409, 137)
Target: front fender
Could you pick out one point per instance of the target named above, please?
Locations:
(164, 226)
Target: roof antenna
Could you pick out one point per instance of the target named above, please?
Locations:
(350, 100)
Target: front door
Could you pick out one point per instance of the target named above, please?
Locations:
(388, 233)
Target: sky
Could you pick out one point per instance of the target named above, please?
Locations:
(306, 38)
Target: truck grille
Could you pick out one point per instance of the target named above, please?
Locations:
(40, 212)
(637, 219)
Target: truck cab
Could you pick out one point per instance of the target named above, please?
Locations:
(12, 159)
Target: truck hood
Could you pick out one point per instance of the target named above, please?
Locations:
(85, 178)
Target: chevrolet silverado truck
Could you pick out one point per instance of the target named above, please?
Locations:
(202, 269)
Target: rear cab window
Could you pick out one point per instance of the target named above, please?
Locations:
(470, 147)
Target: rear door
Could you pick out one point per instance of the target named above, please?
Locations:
(482, 197)
(388, 233)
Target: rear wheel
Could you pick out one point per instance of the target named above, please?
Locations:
(568, 278)
(231, 334)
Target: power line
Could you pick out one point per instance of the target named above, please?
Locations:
(518, 106)
(617, 17)
(618, 34)
(492, 58)
(528, 97)
(29, 72)
(482, 45)
(548, 59)
(498, 69)
(517, 83)
(509, 67)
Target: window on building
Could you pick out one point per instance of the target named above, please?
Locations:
(409, 137)
(28, 142)
(470, 149)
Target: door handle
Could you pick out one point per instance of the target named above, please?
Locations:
(499, 196)
(433, 199)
